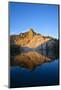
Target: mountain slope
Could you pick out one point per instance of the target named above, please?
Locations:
(37, 40)
(23, 38)
(31, 39)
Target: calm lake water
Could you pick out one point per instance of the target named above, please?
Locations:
(41, 75)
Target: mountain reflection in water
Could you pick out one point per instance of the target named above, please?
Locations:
(32, 59)
(32, 69)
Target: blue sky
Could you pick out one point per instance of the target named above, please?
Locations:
(42, 18)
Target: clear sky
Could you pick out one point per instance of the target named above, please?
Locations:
(42, 18)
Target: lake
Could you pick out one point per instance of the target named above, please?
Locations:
(40, 69)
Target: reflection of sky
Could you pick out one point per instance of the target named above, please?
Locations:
(42, 18)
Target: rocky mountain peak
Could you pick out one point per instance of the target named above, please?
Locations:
(31, 30)
(30, 39)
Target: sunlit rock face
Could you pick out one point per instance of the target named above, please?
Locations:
(31, 39)
(32, 59)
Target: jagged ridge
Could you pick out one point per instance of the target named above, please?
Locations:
(29, 39)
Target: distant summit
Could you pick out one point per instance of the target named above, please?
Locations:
(31, 33)
(31, 30)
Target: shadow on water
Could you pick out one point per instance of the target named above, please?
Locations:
(32, 68)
